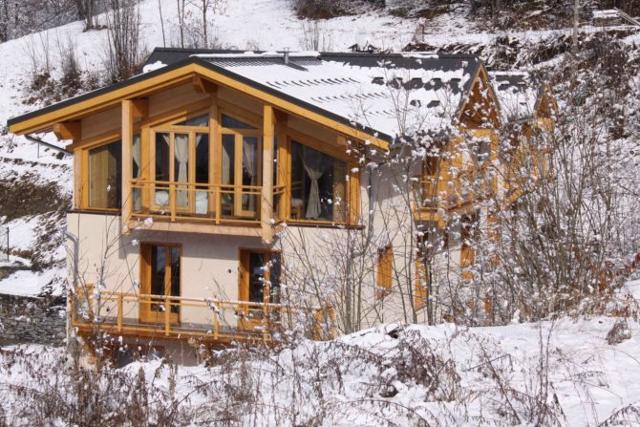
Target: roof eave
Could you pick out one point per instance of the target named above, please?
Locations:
(26, 123)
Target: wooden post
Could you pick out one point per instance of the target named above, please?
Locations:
(127, 159)
(167, 316)
(266, 205)
(216, 326)
(120, 314)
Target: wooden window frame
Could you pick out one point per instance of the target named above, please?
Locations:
(384, 272)
(82, 187)
(244, 276)
(146, 315)
(352, 183)
(239, 135)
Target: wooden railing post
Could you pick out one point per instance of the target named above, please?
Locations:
(172, 200)
(120, 311)
(216, 326)
(167, 316)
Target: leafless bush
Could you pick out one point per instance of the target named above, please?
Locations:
(325, 9)
(59, 388)
(532, 401)
(626, 416)
(124, 50)
(315, 36)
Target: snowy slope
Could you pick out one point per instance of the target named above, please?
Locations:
(493, 376)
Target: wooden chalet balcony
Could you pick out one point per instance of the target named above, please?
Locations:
(210, 320)
(207, 204)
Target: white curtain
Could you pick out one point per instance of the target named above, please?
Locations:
(182, 156)
(315, 167)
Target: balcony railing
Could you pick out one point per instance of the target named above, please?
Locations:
(213, 203)
(212, 320)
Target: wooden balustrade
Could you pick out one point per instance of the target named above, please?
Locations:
(212, 203)
(212, 320)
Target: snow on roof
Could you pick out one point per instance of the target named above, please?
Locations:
(389, 93)
(516, 93)
(396, 95)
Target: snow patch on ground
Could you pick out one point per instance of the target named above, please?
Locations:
(32, 283)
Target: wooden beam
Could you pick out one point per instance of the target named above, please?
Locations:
(201, 85)
(266, 205)
(127, 150)
(140, 108)
(67, 130)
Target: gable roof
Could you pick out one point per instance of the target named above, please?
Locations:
(387, 93)
(362, 91)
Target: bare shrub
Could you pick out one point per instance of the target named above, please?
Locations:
(315, 36)
(325, 9)
(124, 50)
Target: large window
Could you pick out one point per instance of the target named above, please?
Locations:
(175, 149)
(241, 168)
(318, 185)
(105, 168)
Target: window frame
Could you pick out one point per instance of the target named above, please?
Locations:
(352, 183)
(384, 271)
(84, 188)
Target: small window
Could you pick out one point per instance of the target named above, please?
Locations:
(199, 121)
(233, 123)
(105, 179)
(385, 272)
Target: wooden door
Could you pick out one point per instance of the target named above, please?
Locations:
(259, 283)
(160, 278)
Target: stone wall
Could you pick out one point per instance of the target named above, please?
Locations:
(32, 320)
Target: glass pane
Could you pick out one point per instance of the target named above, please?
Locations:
(202, 173)
(105, 179)
(202, 158)
(181, 167)
(202, 121)
(256, 277)
(250, 159)
(232, 123)
(339, 197)
(276, 161)
(297, 182)
(136, 172)
(162, 157)
(158, 268)
(137, 156)
(175, 277)
(228, 171)
(274, 278)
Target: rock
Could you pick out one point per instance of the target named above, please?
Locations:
(619, 332)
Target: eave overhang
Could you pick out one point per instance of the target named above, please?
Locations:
(144, 84)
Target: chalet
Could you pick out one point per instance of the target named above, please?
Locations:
(217, 194)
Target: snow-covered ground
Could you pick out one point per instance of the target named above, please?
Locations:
(391, 375)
